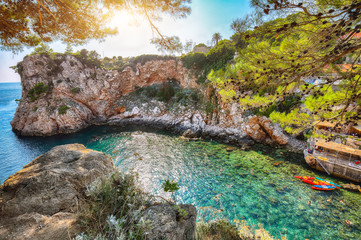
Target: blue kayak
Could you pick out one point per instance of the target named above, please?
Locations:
(323, 187)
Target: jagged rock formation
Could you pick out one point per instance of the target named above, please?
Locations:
(261, 129)
(38, 202)
(64, 95)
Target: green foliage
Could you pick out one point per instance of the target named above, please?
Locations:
(219, 229)
(42, 49)
(201, 45)
(171, 93)
(170, 186)
(18, 68)
(169, 45)
(75, 90)
(68, 49)
(36, 91)
(166, 91)
(90, 58)
(35, 108)
(216, 37)
(112, 208)
(29, 23)
(195, 61)
(142, 59)
(279, 60)
(181, 213)
(62, 109)
(217, 58)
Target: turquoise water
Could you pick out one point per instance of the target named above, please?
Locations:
(257, 186)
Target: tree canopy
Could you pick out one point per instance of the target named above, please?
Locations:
(309, 60)
(27, 23)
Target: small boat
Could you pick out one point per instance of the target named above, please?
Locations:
(338, 186)
(324, 187)
(316, 182)
(304, 177)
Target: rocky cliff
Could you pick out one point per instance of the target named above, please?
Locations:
(63, 94)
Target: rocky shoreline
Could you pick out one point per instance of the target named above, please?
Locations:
(236, 136)
(41, 200)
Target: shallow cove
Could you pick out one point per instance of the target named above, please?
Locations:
(240, 184)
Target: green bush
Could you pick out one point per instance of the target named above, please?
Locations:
(216, 59)
(75, 90)
(219, 229)
(166, 92)
(36, 91)
(112, 208)
(63, 109)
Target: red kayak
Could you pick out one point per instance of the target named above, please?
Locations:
(304, 177)
(315, 182)
(323, 187)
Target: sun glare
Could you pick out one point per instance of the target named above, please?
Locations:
(124, 17)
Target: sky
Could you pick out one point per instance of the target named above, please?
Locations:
(207, 17)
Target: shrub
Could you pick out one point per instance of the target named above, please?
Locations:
(216, 59)
(219, 229)
(63, 109)
(166, 91)
(36, 91)
(75, 90)
(112, 208)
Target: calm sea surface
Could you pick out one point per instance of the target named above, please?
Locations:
(243, 185)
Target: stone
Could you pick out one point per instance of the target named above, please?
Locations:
(38, 202)
(120, 110)
(352, 187)
(274, 131)
(168, 223)
(190, 134)
(261, 129)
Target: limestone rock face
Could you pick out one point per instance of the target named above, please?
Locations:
(167, 223)
(38, 201)
(261, 129)
(274, 131)
(88, 93)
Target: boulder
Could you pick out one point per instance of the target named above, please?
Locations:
(168, 221)
(190, 134)
(273, 130)
(38, 202)
(254, 130)
(261, 129)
